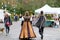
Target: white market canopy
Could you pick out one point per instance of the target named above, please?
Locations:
(48, 10)
(57, 10)
(1, 14)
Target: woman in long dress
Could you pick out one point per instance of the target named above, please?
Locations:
(27, 30)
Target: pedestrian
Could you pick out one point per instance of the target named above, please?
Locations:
(8, 22)
(20, 17)
(56, 21)
(40, 24)
(27, 30)
(16, 17)
(59, 20)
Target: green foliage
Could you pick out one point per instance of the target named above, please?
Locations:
(31, 5)
(49, 16)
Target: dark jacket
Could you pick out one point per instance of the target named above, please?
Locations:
(7, 19)
(16, 18)
(41, 21)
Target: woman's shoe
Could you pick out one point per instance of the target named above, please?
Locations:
(42, 37)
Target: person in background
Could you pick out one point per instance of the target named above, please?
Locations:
(56, 21)
(8, 23)
(16, 17)
(59, 20)
(41, 24)
(20, 17)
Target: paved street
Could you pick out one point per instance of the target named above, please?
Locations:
(49, 33)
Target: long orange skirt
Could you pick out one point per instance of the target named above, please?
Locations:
(27, 31)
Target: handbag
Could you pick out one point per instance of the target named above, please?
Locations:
(8, 24)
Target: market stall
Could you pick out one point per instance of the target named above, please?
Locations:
(49, 10)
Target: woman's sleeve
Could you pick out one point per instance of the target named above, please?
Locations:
(31, 19)
(22, 23)
(22, 19)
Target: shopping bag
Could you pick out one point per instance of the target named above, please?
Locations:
(8, 24)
